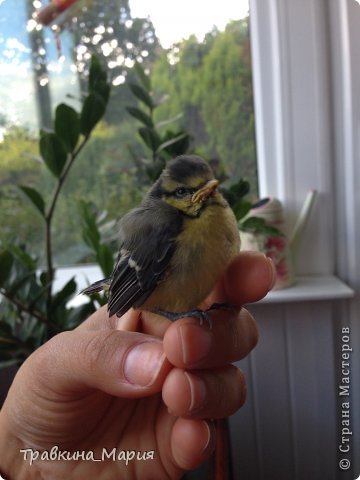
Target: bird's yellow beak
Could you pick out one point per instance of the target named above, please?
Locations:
(205, 192)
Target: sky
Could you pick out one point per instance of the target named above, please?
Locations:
(176, 20)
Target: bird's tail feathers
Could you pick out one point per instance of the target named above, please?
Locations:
(99, 286)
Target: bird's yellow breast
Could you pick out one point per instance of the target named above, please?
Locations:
(203, 250)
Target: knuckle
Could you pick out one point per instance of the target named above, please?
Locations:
(48, 357)
(96, 350)
(50, 349)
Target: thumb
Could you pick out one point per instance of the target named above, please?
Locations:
(120, 363)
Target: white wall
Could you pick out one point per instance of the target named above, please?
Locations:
(345, 48)
(306, 57)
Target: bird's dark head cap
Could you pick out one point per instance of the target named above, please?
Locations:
(181, 168)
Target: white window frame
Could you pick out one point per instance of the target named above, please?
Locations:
(306, 73)
(290, 53)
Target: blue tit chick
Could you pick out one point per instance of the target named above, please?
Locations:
(175, 245)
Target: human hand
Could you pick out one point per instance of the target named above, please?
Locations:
(138, 383)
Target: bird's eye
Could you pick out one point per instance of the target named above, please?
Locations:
(181, 192)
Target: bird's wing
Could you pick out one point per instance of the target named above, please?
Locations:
(148, 242)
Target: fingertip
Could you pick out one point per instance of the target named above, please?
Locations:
(176, 381)
(249, 277)
(250, 331)
(186, 342)
(192, 442)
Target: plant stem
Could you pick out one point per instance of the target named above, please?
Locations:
(49, 218)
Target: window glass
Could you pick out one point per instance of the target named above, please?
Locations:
(199, 62)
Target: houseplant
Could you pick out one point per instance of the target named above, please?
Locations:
(31, 311)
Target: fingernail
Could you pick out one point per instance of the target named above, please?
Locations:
(197, 392)
(143, 363)
(270, 264)
(211, 436)
(273, 273)
(193, 351)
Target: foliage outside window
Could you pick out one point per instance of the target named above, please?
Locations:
(206, 85)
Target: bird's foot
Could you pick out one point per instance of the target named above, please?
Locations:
(218, 306)
(202, 315)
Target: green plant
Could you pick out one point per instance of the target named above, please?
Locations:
(235, 195)
(161, 145)
(31, 311)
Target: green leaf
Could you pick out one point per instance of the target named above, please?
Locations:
(43, 132)
(6, 262)
(67, 126)
(103, 89)
(5, 329)
(150, 138)
(53, 153)
(241, 188)
(167, 121)
(9, 362)
(105, 259)
(273, 232)
(43, 277)
(35, 197)
(26, 282)
(141, 94)
(144, 79)
(181, 141)
(91, 237)
(98, 79)
(258, 225)
(229, 196)
(32, 333)
(65, 294)
(23, 257)
(153, 171)
(253, 225)
(140, 115)
(241, 208)
(93, 110)
(96, 72)
(90, 231)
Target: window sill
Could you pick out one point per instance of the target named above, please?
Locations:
(310, 288)
(306, 288)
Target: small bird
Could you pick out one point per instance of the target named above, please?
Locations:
(174, 246)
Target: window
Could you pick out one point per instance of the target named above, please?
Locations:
(204, 77)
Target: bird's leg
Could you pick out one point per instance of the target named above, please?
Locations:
(218, 306)
(202, 315)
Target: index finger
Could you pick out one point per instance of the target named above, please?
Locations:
(248, 278)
